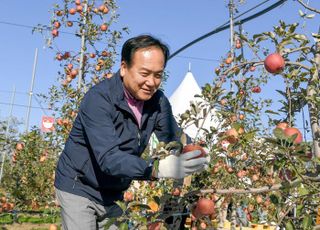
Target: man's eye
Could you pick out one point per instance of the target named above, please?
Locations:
(159, 75)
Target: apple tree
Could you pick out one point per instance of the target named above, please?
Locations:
(263, 169)
(83, 40)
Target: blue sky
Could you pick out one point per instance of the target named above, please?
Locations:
(175, 22)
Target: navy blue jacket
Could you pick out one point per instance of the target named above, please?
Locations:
(102, 154)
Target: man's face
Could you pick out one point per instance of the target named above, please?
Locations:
(144, 76)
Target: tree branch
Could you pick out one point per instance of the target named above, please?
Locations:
(298, 64)
(261, 189)
(308, 7)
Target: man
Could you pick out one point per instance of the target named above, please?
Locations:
(114, 123)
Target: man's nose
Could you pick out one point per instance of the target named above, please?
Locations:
(151, 81)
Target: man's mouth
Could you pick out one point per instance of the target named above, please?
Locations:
(147, 91)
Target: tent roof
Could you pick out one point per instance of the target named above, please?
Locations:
(184, 94)
(180, 102)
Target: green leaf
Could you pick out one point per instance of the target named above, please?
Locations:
(310, 16)
(278, 133)
(299, 209)
(260, 39)
(272, 112)
(306, 223)
(249, 136)
(293, 27)
(270, 34)
(300, 37)
(138, 205)
(274, 199)
(122, 205)
(109, 223)
(315, 35)
(123, 226)
(289, 225)
(303, 191)
(247, 110)
(301, 13)
(157, 199)
(271, 140)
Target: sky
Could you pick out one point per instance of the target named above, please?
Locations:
(175, 22)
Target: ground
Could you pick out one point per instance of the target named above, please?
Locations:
(24, 226)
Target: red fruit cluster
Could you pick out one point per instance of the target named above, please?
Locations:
(256, 89)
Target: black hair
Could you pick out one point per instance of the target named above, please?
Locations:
(142, 41)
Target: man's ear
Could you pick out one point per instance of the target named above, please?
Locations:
(123, 68)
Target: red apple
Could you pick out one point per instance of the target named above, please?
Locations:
(256, 89)
(176, 192)
(103, 27)
(128, 196)
(79, 8)
(19, 146)
(57, 24)
(204, 207)
(72, 11)
(290, 131)
(55, 33)
(74, 73)
(154, 226)
(232, 135)
(69, 23)
(285, 174)
(192, 147)
(274, 63)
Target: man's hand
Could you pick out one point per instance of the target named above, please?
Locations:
(178, 167)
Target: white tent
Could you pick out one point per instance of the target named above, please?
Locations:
(182, 97)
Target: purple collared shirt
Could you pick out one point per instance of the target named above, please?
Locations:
(135, 105)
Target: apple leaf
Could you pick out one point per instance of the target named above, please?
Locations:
(303, 191)
(274, 199)
(289, 225)
(122, 205)
(109, 223)
(123, 226)
(278, 133)
(271, 140)
(272, 112)
(136, 204)
(292, 138)
(299, 209)
(300, 37)
(309, 16)
(293, 27)
(249, 135)
(157, 199)
(315, 35)
(306, 223)
(301, 13)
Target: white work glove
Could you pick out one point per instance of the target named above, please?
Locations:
(178, 167)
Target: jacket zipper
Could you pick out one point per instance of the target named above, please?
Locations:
(139, 137)
(74, 181)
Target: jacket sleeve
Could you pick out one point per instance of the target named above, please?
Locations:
(166, 128)
(95, 115)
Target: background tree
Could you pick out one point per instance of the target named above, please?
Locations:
(29, 173)
(262, 170)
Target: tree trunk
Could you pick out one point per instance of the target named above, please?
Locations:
(312, 106)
